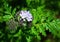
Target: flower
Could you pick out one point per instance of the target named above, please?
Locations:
(26, 15)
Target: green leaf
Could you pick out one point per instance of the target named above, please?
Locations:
(28, 1)
(1, 19)
(7, 17)
(18, 34)
(38, 37)
(33, 31)
(42, 30)
(28, 39)
(14, 11)
(7, 12)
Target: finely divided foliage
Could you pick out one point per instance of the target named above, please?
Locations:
(30, 24)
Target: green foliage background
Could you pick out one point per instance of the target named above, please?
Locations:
(45, 24)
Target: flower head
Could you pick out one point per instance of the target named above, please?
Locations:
(26, 15)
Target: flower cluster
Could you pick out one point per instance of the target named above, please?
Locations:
(26, 15)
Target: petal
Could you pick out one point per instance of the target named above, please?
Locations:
(28, 19)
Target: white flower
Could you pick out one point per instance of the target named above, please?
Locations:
(28, 19)
(22, 14)
(26, 15)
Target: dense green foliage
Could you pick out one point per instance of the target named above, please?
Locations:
(45, 19)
